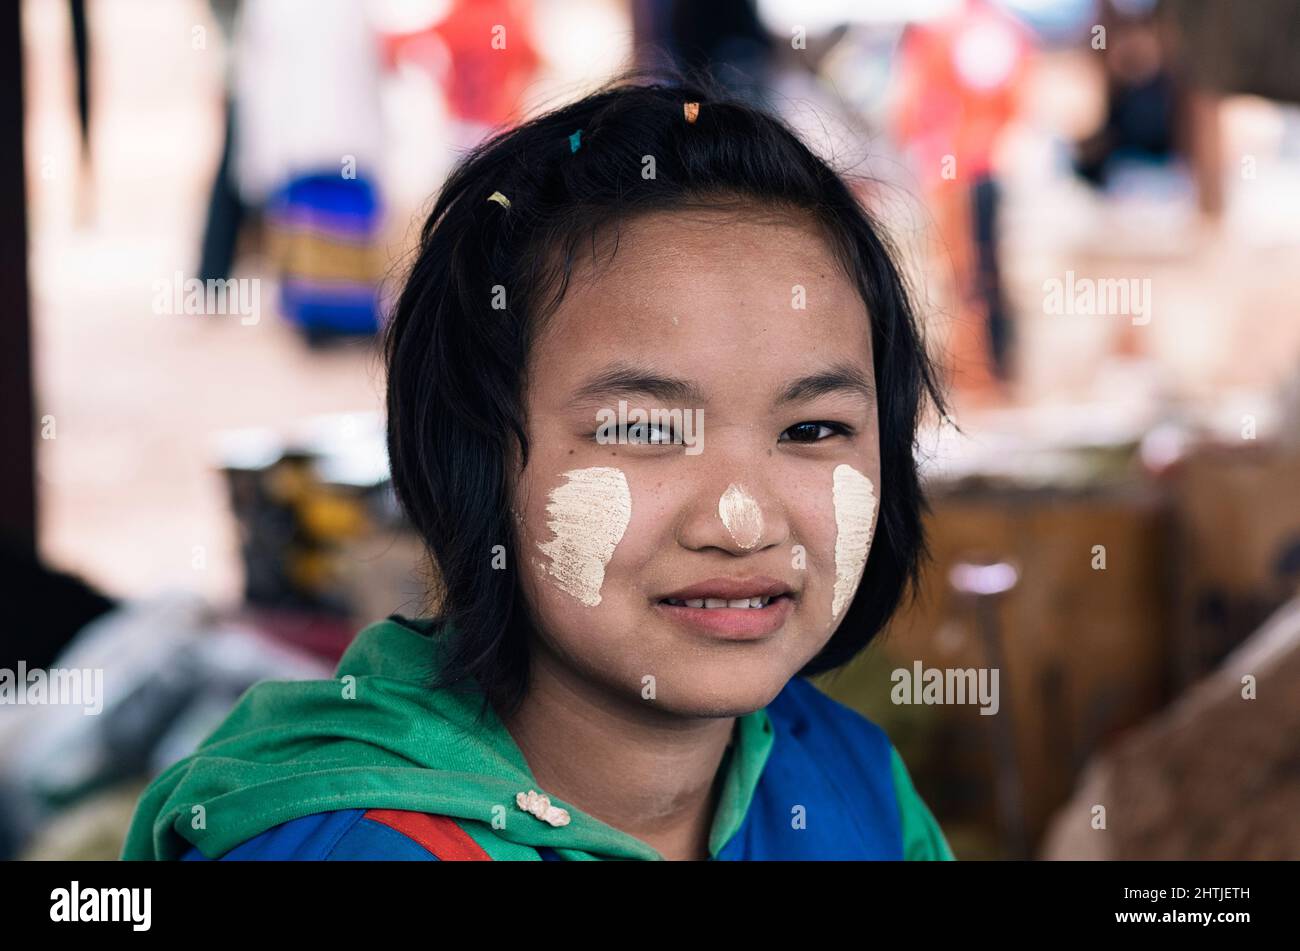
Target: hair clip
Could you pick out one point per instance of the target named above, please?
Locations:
(692, 110)
(500, 199)
(575, 140)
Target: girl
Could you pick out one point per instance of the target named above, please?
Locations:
(653, 386)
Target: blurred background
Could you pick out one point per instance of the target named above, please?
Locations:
(207, 207)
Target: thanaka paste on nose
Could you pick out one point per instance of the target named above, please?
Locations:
(588, 515)
(855, 504)
(741, 513)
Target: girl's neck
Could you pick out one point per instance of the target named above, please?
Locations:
(652, 775)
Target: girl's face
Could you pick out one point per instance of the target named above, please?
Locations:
(764, 483)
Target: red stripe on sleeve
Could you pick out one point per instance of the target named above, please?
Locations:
(439, 834)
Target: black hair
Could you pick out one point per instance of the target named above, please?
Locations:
(456, 365)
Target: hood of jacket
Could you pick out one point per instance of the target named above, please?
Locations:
(376, 737)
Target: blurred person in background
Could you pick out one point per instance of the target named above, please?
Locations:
(482, 55)
(726, 40)
(1143, 100)
(302, 145)
(226, 210)
(959, 82)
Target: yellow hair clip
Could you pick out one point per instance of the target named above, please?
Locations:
(692, 110)
(500, 199)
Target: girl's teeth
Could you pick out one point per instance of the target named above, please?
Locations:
(760, 602)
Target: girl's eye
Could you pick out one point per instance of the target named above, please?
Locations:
(640, 434)
(813, 431)
(649, 434)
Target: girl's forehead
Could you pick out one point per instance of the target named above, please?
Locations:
(647, 245)
(748, 304)
(703, 272)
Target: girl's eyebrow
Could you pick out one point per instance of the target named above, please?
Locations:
(844, 377)
(625, 379)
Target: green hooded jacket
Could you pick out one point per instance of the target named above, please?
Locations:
(376, 737)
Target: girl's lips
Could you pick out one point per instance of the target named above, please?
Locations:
(734, 624)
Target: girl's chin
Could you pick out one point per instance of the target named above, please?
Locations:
(694, 686)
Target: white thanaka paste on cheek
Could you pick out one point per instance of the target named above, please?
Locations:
(855, 506)
(588, 515)
(742, 515)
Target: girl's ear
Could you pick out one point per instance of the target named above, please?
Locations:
(512, 459)
(515, 481)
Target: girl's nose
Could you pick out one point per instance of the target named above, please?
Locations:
(738, 517)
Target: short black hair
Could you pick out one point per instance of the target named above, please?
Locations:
(455, 364)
